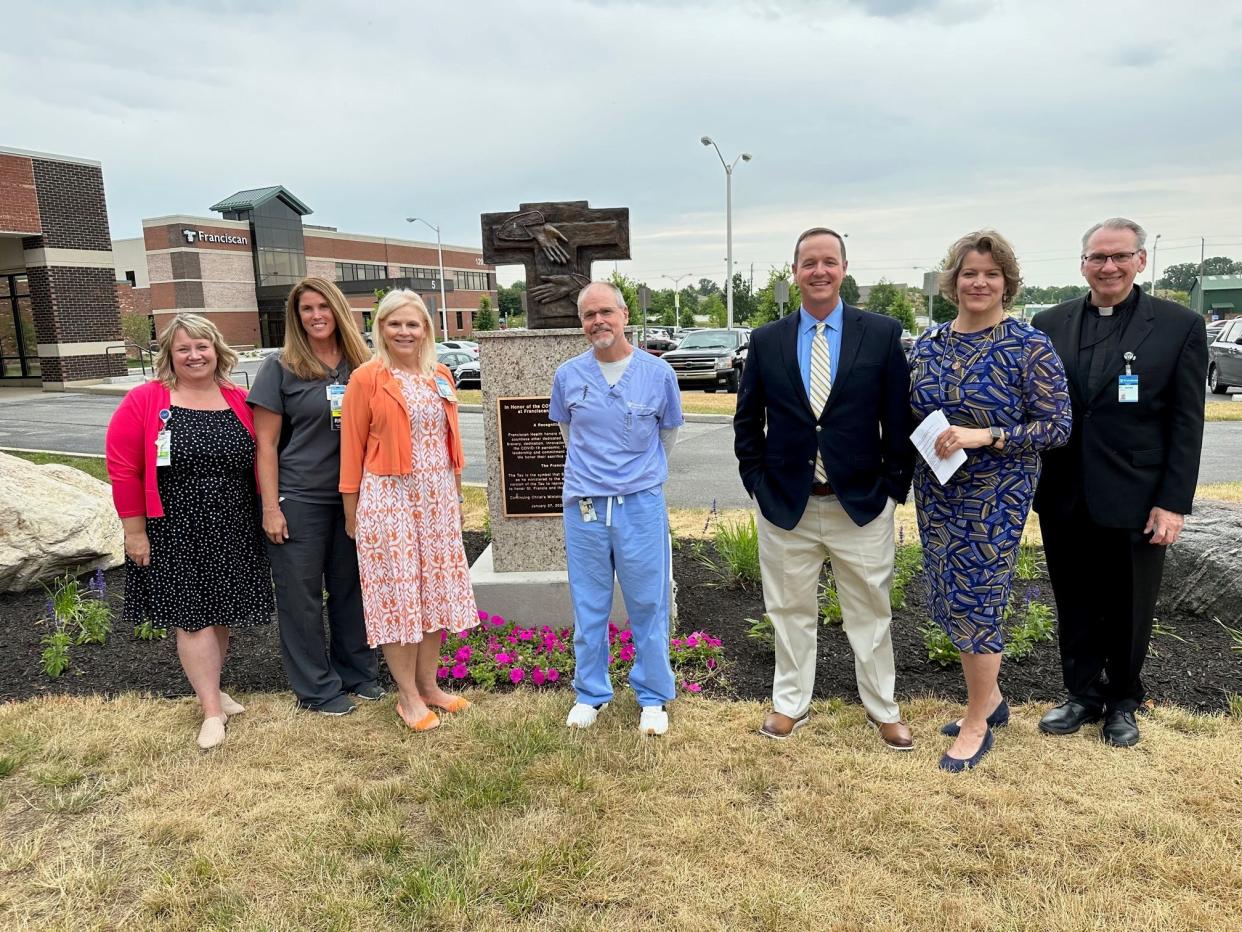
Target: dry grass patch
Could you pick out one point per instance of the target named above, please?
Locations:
(1223, 411)
(504, 819)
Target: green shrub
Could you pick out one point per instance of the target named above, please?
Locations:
(1036, 626)
(940, 648)
(907, 563)
(829, 602)
(77, 616)
(737, 544)
(1028, 565)
(761, 630)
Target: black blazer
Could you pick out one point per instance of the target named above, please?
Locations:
(1124, 459)
(863, 433)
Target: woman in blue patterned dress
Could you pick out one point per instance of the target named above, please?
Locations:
(1002, 388)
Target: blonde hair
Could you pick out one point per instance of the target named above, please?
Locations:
(196, 328)
(297, 355)
(990, 243)
(389, 304)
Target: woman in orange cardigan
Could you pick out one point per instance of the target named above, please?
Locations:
(401, 462)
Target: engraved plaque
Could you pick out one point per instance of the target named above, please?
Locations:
(532, 458)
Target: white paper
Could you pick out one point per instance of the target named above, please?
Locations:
(924, 440)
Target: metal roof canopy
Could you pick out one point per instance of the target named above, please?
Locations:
(254, 198)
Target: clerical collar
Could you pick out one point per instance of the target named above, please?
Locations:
(1128, 304)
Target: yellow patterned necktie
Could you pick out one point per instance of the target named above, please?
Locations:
(821, 385)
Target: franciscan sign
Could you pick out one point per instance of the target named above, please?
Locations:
(192, 236)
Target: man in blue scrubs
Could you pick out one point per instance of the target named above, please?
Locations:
(619, 411)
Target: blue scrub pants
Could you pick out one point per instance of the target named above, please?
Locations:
(631, 539)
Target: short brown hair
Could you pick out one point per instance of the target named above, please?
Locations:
(990, 243)
(818, 231)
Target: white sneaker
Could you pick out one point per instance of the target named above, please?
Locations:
(583, 715)
(213, 732)
(230, 706)
(653, 721)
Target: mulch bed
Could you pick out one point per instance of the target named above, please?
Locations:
(1197, 673)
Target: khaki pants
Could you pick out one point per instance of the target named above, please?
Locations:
(862, 564)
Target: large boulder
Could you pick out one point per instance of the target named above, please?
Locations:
(1203, 570)
(53, 520)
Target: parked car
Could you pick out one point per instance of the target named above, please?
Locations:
(1214, 328)
(1225, 358)
(469, 375)
(710, 359)
(454, 360)
(466, 346)
(658, 346)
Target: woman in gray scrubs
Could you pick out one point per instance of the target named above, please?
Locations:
(297, 398)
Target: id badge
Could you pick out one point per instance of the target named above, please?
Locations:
(587, 507)
(1127, 389)
(163, 448)
(445, 389)
(336, 400)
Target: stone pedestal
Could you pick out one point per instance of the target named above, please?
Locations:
(522, 574)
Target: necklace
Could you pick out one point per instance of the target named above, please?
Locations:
(950, 348)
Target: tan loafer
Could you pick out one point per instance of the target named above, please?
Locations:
(230, 706)
(779, 727)
(895, 735)
(213, 732)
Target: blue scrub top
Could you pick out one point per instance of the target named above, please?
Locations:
(614, 432)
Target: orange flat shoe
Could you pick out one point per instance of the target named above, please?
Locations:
(458, 704)
(426, 723)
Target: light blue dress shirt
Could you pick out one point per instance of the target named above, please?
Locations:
(806, 333)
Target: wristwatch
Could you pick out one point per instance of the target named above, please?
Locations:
(998, 435)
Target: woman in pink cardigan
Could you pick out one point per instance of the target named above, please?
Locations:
(181, 456)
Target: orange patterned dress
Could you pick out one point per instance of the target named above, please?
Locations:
(415, 579)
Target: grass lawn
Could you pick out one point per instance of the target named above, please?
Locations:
(503, 819)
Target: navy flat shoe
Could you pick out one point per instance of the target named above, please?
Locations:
(998, 719)
(957, 765)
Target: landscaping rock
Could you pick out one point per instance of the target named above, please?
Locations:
(1201, 575)
(54, 520)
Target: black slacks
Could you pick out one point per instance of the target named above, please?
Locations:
(1105, 581)
(319, 556)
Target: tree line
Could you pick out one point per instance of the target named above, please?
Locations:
(705, 301)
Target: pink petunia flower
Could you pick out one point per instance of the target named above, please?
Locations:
(711, 664)
(503, 658)
(627, 653)
(553, 674)
(692, 641)
(693, 687)
(497, 622)
(516, 675)
(482, 615)
(676, 642)
(442, 673)
(463, 653)
(459, 671)
(536, 676)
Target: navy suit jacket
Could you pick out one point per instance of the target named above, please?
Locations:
(863, 433)
(1124, 458)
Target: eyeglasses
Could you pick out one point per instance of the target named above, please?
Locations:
(1097, 260)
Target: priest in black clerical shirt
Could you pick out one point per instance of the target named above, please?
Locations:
(1116, 495)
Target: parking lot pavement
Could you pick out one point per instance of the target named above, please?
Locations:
(703, 469)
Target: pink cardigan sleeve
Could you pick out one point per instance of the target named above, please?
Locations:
(125, 456)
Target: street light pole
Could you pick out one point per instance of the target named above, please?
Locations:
(1154, 243)
(677, 296)
(440, 258)
(728, 167)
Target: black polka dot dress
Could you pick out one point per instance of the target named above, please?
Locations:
(208, 563)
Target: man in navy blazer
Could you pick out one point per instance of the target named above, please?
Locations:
(826, 481)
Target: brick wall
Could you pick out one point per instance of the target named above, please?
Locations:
(72, 368)
(19, 202)
(238, 329)
(133, 300)
(72, 305)
(72, 208)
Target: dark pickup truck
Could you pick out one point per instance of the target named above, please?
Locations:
(710, 359)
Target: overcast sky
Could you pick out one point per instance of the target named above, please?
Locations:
(903, 124)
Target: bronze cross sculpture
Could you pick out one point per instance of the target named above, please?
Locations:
(556, 241)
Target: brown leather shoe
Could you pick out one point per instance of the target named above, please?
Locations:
(779, 727)
(895, 735)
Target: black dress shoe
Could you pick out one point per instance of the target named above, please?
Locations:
(1120, 729)
(1068, 717)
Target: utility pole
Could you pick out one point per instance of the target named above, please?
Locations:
(1154, 245)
